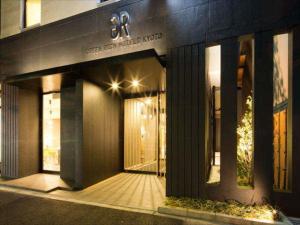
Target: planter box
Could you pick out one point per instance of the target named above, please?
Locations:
(218, 217)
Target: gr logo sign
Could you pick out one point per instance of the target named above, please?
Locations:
(119, 25)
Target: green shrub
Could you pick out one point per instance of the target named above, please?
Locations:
(245, 147)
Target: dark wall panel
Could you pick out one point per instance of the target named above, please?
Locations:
(263, 115)
(186, 118)
(101, 150)
(67, 42)
(183, 124)
(68, 134)
(169, 121)
(195, 116)
(229, 60)
(79, 173)
(28, 132)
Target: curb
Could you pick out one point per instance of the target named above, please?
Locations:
(218, 217)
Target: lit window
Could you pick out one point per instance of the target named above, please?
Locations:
(51, 132)
(32, 12)
(281, 108)
(245, 144)
(213, 118)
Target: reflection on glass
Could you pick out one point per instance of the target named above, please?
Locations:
(142, 137)
(245, 148)
(281, 109)
(162, 134)
(51, 132)
(213, 115)
(32, 12)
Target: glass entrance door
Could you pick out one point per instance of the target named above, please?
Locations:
(141, 140)
(51, 132)
(144, 140)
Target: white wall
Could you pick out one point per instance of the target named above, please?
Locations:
(51, 10)
(10, 17)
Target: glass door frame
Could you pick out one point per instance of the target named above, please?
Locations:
(159, 109)
(42, 133)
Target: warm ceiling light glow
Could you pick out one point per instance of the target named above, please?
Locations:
(135, 83)
(115, 86)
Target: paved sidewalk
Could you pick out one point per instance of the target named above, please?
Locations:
(18, 209)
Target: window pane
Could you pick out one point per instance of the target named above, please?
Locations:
(51, 132)
(281, 109)
(213, 114)
(245, 150)
(33, 12)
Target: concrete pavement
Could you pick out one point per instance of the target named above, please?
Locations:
(19, 209)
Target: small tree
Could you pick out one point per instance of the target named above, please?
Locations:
(245, 147)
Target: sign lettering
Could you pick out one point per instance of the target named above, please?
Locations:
(119, 25)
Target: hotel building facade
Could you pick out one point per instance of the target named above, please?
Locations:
(201, 92)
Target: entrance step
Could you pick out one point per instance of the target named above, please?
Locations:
(38, 182)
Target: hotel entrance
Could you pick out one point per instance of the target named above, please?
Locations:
(99, 120)
(145, 134)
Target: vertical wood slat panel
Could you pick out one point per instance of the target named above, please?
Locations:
(200, 89)
(195, 121)
(184, 125)
(188, 121)
(174, 134)
(9, 126)
(181, 121)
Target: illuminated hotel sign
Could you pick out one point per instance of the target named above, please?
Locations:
(119, 25)
(120, 36)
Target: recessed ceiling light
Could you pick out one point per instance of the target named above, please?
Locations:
(115, 86)
(135, 83)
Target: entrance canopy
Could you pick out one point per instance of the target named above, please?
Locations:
(145, 67)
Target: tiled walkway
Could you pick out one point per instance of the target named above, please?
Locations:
(138, 191)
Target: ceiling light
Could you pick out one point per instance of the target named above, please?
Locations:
(135, 83)
(115, 86)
